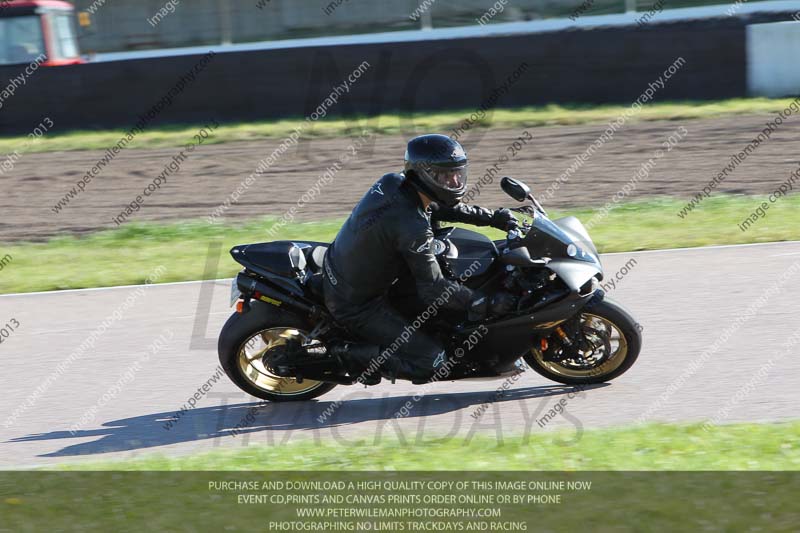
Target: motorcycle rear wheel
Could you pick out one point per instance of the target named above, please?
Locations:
(605, 323)
(245, 339)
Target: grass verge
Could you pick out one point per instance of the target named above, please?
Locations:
(396, 123)
(649, 478)
(127, 255)
(642, 448)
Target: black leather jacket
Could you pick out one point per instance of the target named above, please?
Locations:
(387, 228)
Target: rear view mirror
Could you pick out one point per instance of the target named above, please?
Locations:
(515, 189)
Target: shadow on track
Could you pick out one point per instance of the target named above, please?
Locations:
(277, 419)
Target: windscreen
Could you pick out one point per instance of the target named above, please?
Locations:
(65, 42)
(21, 40)
(546, 239)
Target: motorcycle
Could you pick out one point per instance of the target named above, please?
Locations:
(561, 323)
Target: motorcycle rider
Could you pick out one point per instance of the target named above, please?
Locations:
(391, 229)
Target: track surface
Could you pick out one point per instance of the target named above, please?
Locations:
(682, 298)
(213, 172)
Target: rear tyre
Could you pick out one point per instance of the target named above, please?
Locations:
(607, 344)
(245, 339)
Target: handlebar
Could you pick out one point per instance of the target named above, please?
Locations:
(514, 235)
(519, 191)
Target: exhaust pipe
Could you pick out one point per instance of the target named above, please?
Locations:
(254, 288)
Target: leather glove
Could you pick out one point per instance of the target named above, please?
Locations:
(504, 219)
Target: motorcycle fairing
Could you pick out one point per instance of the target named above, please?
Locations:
(470, 247)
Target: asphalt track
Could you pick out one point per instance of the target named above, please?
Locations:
(684, 299)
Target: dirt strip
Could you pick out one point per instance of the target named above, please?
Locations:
(212, 173)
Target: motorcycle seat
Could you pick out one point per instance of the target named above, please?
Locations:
(283, 258)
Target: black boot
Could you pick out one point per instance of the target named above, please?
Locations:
(363, 362)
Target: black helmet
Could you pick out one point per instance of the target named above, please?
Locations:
(436, 165)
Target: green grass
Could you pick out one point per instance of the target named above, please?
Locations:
(658, 477)
(394, 123)
(646, 448)
(127, 255)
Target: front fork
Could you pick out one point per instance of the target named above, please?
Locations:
(568, 332)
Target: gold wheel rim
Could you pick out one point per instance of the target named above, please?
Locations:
(253, 369)
(618, 352)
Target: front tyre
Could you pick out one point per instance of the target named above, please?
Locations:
(598, 345)
(244, 341)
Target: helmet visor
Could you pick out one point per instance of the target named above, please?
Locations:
(450, 178)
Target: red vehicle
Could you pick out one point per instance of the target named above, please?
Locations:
(30, 28)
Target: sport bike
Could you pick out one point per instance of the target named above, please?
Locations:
(544, 276)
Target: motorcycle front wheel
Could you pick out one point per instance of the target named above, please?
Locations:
(602, 345)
